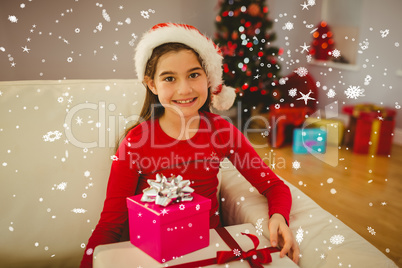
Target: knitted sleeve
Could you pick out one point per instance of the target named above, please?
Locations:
(122, 183)
(237, 148)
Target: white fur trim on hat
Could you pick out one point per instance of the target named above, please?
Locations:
(224, 99)
(190, 36)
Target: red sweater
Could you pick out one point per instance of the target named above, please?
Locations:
(147, 150)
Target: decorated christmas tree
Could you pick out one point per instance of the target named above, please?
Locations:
(250, 63)
(323, 43)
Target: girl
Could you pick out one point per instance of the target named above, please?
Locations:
(177, 135)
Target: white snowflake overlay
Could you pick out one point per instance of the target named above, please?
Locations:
(258, 226)
(353, 92)
(331, 93)
(367, 80)
(296, 164)
(299, 235)
(236, 252)
(79, 210)
(145, 13)
(293, 92)
(384, 33)
(336, 53)
(52, 136)
(301, 71)
(337, 239)
(12, 19)
(105, 15)
(62, 186)
(288, 26)
(371, 230)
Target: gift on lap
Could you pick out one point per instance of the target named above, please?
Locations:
(168, 220)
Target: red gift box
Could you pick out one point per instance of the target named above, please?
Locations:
(371, 128)
(165, 233)
(283, 121)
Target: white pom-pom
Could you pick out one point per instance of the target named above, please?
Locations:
(225, 99)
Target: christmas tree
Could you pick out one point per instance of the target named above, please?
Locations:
(249, 64)
(323, 43)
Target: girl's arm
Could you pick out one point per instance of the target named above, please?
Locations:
(122, 183)
(243, 156)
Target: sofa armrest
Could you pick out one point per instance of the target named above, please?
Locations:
(324, 240)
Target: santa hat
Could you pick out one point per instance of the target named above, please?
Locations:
(222, 96)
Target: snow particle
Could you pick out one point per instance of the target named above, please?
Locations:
(337, 239)
(371, 230)
(51, 136)
(79, 210)
(301, 71)
(12, 19)
(89, 251)
(353, 92)
(299, 235)
(296, 164)
(105, 15)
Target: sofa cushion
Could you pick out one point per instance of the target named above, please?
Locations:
(57, 141)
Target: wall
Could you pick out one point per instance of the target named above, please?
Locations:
(64, 42)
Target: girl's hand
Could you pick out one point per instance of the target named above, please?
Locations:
(280, 234)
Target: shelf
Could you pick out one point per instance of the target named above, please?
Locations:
(337, 65)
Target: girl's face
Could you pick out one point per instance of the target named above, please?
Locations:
(180, 83)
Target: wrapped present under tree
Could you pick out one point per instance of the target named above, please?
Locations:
(371, 128)
(309, 140)
(283, 121)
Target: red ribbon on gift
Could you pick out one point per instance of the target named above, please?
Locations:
(255, 257)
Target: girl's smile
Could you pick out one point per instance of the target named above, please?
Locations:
(185, 102)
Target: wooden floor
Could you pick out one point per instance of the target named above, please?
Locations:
(368, 189)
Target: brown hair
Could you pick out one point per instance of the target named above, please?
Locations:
(152, 107)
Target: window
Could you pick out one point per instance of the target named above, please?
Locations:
(343, 16)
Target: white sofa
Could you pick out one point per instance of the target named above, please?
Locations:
(57, 140)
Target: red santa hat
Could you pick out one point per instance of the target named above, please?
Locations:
(222, 96)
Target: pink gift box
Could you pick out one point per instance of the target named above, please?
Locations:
(165, 233)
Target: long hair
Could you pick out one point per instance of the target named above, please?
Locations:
(152, 108)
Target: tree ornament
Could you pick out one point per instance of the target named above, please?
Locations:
(254, 10)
